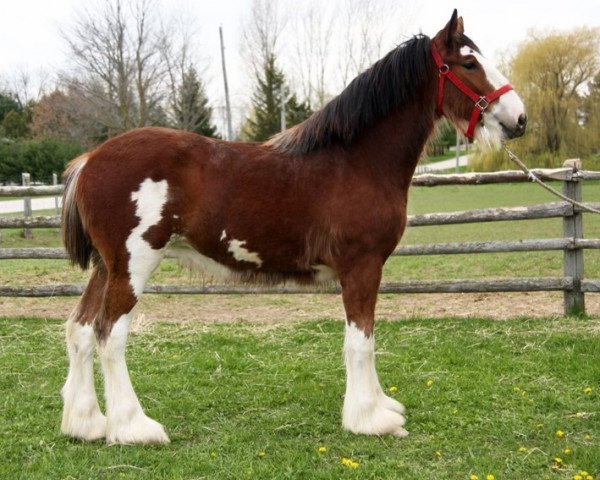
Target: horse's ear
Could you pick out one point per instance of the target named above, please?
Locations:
(454, 29)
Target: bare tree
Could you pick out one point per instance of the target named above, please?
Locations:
(313, 31)
(261, 34)
(116, 49)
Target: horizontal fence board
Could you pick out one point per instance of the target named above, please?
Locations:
(35, 191)
(481, 178)
(590, 286)
(30, 222)
(32, 253)
(530, 212)
(497, 246)
(417, 286)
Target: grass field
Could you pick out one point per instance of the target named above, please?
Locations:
(249, 401)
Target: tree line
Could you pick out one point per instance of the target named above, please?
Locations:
(131, 67)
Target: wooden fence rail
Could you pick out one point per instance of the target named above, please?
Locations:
(572, 283)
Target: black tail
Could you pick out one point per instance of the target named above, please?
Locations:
(75, 239)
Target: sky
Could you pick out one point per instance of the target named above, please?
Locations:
(30, 37)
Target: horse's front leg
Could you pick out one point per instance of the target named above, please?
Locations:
(366, 409)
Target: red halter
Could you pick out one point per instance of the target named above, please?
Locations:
(481, 102)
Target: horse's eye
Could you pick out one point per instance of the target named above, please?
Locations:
(469, 65)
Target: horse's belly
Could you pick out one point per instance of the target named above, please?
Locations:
(245, 265)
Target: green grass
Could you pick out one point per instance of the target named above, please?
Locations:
(227, 392)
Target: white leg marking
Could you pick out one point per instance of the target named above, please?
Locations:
(366, 408)
(81, 416)
(150, 199)
(126, 421)
(242, 254)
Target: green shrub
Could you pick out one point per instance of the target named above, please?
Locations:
(40, 158)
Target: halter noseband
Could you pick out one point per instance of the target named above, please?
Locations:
(481, 102)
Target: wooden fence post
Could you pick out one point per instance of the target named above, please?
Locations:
(574, 300)
(27, 211)
(55, 182)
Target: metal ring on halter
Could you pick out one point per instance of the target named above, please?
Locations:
(444, 69)
(482, 103)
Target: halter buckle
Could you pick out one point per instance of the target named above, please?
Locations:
(444, 69)
(482, 103)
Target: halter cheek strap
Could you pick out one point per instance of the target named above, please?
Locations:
(481, 102)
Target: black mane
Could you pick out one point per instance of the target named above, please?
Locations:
(386, 86)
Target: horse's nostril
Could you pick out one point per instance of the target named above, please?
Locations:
(522, 120)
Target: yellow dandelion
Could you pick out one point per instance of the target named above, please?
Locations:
(589, 477)
(587, 437)
(516, 389)
(348, 462)
(261, 454)
(438, 453)
(322, 449)
(213, 454)
(522, 449)
(579, 414)
(577, 477)
(473, 477)
(489, 476)
(393, 389)
(429, 383)
(555, 467)
(558, 459)
(523, 393)
(567, 451)
(560, 434)
(587, 390)
(583, 473)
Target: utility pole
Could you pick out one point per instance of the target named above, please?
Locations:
(227, 104)
(282, 107)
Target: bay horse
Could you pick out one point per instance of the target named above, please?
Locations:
(322, 201)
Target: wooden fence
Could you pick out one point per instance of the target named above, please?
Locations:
(573, 284)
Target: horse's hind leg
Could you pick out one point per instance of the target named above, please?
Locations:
(81, 416)
(126, 421)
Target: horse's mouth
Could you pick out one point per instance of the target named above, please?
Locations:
(510, 133)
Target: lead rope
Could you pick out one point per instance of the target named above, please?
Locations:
(534, 178)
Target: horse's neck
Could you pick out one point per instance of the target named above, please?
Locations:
(394, 145)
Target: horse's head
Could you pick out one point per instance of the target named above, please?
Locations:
(472, 93)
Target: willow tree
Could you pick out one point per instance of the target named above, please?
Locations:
(552, 72)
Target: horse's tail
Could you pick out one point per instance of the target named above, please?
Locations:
(75, 239)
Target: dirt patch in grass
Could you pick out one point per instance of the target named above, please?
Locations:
(296, 308)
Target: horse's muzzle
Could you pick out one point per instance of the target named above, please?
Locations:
(518, 130)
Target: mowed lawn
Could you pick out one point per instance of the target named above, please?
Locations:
(516, 399)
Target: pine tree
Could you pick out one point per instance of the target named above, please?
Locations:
(190, 106)
(265, 119)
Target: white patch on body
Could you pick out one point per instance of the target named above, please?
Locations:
(126, 421)
(81, 416)
(366, 408)
(150, 199)
(505, 111)
(324, 274)
(242, 254)
(223, 235)
(191, 258)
